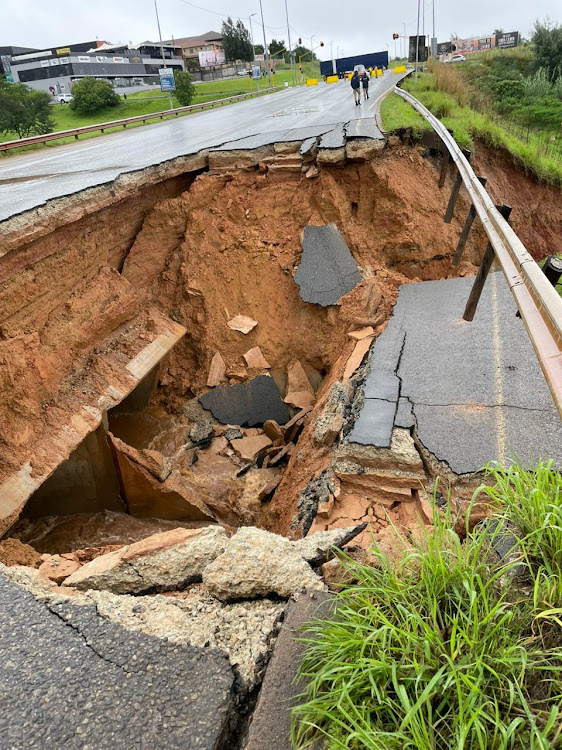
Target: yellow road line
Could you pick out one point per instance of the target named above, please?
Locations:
(498, 375)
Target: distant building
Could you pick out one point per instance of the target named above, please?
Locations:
(58, 68)
(210, 44)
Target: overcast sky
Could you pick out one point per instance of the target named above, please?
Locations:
(353, 27)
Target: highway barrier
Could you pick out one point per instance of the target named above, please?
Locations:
(103, 126)
(538, 303)
(400, 69)
(379, 73)
(312, 81)
(332, 79)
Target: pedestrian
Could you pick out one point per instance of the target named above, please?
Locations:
(356, 86)
(365, 83)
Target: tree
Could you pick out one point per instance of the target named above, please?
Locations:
(236, 41)
(91, 95)
(24, 111)
(497, 33)
(258, 49)
(547, 38)
(303, 52)
(276, 46)
(185, 90)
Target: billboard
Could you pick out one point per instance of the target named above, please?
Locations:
(507, 39)
(211, 57)
(167, 82)
(444, 48)
(422, 49)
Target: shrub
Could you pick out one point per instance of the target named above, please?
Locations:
(91, 95)
(24, 111)
(185, 90)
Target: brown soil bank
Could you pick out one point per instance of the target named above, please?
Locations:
(84, 300)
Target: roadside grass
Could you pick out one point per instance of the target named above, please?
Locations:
(444, 650)
(397, 113)
(149, 102)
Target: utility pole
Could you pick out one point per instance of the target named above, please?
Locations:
(162, 49)
(417, 42)
(290, 47)
(265, 49)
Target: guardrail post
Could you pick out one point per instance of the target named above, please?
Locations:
(445, 165)
(466, 229)
(483, 271)
(455, 191)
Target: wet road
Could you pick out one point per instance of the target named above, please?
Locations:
(30, 180)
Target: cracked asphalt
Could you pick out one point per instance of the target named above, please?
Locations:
(476, 389)
(71, 679)
(31, 180)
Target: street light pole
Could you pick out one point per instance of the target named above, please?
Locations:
(265, 49)
(332, 56)
(417, 42)
(162, 49)
(290, 48)
(252, 36)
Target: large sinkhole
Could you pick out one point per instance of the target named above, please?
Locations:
(218, 256)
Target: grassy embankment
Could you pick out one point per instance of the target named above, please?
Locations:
(450, 648)
(150, 101)
(494, 102)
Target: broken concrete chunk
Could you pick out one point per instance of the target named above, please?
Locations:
(255, 359)
(250, 403)
(217, 370)
(242, 323)
(297, 379)
(316, 548)
(356, 357)
(170, 560)
(249, 448)
(327, 270)
(257, 563)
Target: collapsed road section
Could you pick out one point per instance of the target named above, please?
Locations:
(184, 359)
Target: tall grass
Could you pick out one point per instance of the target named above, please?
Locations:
(437, 653)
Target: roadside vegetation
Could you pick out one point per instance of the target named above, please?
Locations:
(453, 647)
(509, 99)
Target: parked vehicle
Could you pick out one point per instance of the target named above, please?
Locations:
(455, 58)
(65, 98)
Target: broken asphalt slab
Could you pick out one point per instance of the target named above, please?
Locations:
(476, 389)
(251, 403)
(69, 678)
(327, 269)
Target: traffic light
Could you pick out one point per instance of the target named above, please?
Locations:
(396, 36)
(321, 44)
(300, 40)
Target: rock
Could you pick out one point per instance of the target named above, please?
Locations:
(201, 434)
(300, 399)
(394, 141)
(312, 172)
(363, 149)
(297, 379)
(335, 574)
(256, 564)
(153, 461)
(249, 403)
(326, 507)
(259, 483)
(217, 370)
(364, 333)
(255, 359)
(15, 552)
(356, 358)
(330, 431)
(170, 560)
(327, 270)
(316, 548)
(331, 420)
(233, 433)
(248, 448)
(272, 430)
(242, 323)
(58, 568)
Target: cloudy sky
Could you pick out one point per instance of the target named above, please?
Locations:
(353, 28)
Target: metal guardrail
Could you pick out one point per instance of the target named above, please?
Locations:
(7, 145)
(538, 302)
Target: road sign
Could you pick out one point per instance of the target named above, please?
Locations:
(422, 49)
(167, 82)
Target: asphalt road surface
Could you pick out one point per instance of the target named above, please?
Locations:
(30, 180)
(476, 389)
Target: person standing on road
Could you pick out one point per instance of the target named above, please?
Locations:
(356, 86)
(365, 83)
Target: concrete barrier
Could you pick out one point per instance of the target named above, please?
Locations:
(400, 69)
(312, 81)
(332, 79)
(379, 73)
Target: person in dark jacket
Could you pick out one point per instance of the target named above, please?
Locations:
(365, 84)
(356, 86)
